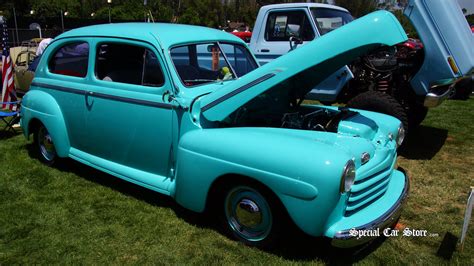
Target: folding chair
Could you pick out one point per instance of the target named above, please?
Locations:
(10, 117)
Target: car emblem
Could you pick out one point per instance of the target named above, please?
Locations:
(364, 157)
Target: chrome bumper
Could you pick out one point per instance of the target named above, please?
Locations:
(344, 239)
(443, 89)
(440, 91)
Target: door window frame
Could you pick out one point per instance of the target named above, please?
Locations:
(55, 47)
(127, 86)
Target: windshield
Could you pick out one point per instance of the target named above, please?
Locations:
(330, 19)
(211, 62)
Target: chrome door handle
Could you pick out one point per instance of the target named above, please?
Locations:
(89, 105)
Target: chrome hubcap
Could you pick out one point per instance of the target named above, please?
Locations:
(248, 214)
(46, 144)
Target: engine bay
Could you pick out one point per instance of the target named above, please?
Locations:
(273, 110)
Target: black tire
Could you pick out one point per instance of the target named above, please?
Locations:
(380, 102)
(463, 90)
(416, 114)
(248, 196)
(44, 146)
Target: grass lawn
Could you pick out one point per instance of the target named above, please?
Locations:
(75, 214)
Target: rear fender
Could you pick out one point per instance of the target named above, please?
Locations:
(45, 109)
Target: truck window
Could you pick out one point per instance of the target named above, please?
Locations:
(283, 25)
(330, 19)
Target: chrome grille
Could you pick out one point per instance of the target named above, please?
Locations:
(367, 190)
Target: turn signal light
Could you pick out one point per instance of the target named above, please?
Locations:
(452, 64)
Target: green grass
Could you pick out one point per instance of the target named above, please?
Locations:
(75, 214)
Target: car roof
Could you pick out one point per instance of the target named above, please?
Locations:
(307, 5)
(166, 33)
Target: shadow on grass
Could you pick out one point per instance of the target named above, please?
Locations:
(423, 143)
(295, 245)
(6, 134)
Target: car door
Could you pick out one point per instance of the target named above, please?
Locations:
(64, 77)
(128, 123)
(280, 25)
(299, 22)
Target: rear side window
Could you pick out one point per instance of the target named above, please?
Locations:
(131, 64)
(70, 60)
(283, 25)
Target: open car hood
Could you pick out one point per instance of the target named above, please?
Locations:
(302, 69)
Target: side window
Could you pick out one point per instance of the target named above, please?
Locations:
(129, 64)
(283, 25)
(70, 60)
(210, 57)
(239, 58)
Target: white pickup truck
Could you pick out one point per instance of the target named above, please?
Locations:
(300, 22)
(402, 81)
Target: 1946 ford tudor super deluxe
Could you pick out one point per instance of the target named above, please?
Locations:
(186, 111)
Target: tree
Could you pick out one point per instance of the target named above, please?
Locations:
(406, 24)
(358, 8)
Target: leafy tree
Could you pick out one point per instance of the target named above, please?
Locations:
(406, 24)
(358, 8)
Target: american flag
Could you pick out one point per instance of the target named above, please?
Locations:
(8, 87)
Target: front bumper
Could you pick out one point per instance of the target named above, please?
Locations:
(442, 90)
(439, 92)
(347, 238)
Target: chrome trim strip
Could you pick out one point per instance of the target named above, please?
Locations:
(237, 91)
(343, 239)
(104, 96)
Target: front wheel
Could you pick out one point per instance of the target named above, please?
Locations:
(44, 145)
(251, 215)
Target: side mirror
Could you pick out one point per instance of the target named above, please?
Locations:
(294, 42)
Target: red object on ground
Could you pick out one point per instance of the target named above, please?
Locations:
(472, 28)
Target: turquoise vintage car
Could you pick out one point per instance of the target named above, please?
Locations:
(187, 112)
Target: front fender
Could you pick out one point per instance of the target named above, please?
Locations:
(42, 106)
(304, 173)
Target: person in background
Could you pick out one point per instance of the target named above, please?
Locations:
(42, 45)
(39, 52)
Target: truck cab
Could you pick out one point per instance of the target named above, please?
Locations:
(391, 80)
(281, 28)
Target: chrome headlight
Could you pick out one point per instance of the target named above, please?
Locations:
(348, 176)
(401, 135)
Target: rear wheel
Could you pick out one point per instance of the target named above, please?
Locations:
(380, 102)
(44, 145)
